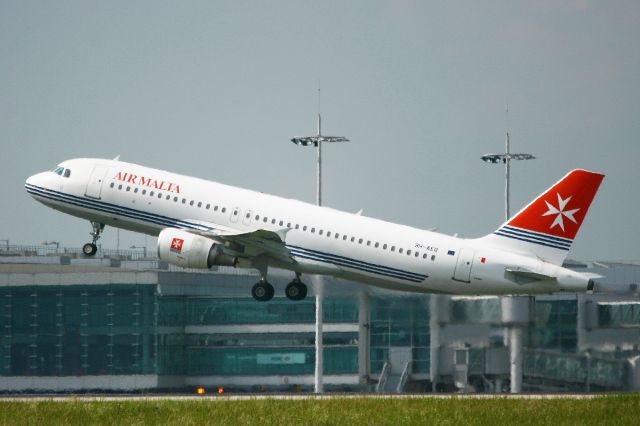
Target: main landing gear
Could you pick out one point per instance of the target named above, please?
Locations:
(263, 291)
(91, 248)
(296, 289)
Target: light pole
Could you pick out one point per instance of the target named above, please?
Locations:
(506, 158)
(512, 307)
(317, 142)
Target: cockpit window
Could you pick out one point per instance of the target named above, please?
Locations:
(61, 171)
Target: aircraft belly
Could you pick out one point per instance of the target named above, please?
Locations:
(111, 219)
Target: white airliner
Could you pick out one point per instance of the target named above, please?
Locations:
(200, 224)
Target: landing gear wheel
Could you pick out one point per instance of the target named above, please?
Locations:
(262, 291)
(296, 290)
(89, 249)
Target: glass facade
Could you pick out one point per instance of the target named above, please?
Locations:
(554, 325)
(174, 326)
(78, 330)
(400, 322)
(129, 329)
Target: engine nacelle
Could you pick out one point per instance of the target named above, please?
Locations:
(182, 248)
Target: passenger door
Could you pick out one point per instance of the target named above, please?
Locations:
(94, 186)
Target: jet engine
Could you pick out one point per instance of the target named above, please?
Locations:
(182, 248)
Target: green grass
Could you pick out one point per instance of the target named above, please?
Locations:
(619, 410)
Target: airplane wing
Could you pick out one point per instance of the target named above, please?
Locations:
(248, 244)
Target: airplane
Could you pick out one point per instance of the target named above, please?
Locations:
(201, 224)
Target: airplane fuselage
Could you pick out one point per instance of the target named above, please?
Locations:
(320, 240)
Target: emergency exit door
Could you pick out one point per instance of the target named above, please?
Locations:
(464, 265)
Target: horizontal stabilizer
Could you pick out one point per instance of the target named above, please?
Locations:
(526, 273)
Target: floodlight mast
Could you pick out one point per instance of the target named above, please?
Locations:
(506, 158)
(510, 302)
(317, 141)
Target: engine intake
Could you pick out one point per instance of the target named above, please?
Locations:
(182, 248)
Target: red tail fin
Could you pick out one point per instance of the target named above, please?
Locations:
(549, 224)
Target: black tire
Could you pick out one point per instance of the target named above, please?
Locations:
(296, 290)
(89, 249)
(262, 291)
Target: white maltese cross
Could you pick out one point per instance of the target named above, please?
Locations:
(560, 212)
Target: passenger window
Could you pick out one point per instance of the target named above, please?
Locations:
(408, 252)
(393, 248)
(215, 209)
(417, 254)
(224, 209)
(191, 202)
(199, 204)
(433, 257)
(159, 195)
(264, 219)
(384, 247)
(400, 250)
(297, 226)
(320, 232)
(313, 230)
(128, 188)
(368, 242)
(376, 245)
(424, 256)
(184, 201)
(119, 186)
(151, 194)
(344, 238)
(135, 190)
(289, 225)
(353, 239)
(281, 223)
(304, 228)
(112, 185)
(328, 233)
(248, 215)
(273, 221)
(208, 206)
(168, 197)
(360, 241)
(175, 199)
(144, 191)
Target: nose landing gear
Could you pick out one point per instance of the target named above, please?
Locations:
(91, 248)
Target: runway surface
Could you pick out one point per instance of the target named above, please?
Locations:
(244, 397)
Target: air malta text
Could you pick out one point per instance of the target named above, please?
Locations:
(148, 182)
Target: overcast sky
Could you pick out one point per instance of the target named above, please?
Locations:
(216, 90)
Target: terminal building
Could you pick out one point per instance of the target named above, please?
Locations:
(126, 323)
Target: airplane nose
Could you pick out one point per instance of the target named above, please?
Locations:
(36, 180)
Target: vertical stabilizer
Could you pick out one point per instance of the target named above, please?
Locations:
(547, 226)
